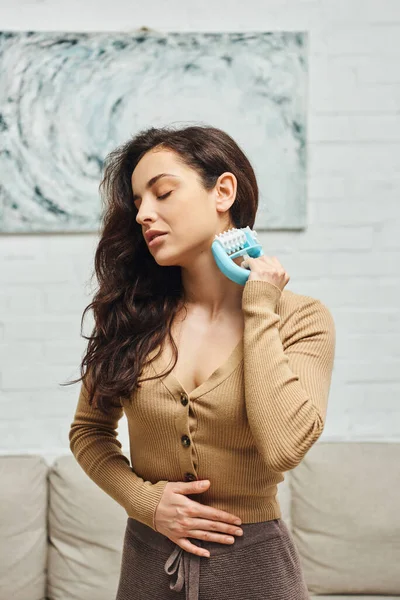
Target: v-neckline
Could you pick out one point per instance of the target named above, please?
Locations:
(215, 379)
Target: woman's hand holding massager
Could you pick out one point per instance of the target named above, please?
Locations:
(266, 268)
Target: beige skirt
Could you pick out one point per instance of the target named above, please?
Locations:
(262, 564)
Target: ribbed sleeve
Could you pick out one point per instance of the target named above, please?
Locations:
(93, 442)
(286, 389)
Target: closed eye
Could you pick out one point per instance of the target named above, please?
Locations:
(158, 198)
(165, 195)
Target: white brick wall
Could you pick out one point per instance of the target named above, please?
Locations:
(349, 257)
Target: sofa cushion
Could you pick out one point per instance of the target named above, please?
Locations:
(86, 530)
(345, 517)
(23, 527)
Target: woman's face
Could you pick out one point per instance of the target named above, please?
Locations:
(178, 205)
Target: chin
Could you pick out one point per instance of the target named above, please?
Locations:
(166, 257)
(165, 261)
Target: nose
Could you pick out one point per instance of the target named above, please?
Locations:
(145, 213)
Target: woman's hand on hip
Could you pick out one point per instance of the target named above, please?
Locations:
(179, 518)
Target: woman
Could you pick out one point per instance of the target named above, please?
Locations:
(246, 395)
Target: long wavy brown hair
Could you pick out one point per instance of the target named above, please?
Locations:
(137, 299)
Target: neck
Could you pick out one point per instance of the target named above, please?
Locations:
(208, 291)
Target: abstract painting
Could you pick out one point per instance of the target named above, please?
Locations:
(68, 99)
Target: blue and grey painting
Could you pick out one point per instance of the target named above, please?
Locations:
(68, 99)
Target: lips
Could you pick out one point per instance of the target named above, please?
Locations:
(152, 234)
(155, 241)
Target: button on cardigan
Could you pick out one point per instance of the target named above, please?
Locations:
(254, 418)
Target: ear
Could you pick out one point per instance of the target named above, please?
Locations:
(225, 191)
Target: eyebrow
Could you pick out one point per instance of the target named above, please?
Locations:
(153, 180)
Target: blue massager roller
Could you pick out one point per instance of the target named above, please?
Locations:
(231, 244)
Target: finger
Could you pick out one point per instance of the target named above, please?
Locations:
(208, 512)
(192, 487)
(186, 545)
(208, 536)
(204, 524)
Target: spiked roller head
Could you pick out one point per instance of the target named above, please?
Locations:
(234, 240)
(230, 245)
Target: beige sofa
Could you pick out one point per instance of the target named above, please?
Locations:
(61, 536)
